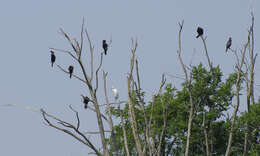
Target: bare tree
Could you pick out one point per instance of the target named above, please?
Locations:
(249, 77)
(144, 142)
(239, 65)
(91, 81)
(76, 54)
(188, 83)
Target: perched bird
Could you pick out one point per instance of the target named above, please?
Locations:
(70, 70)
(53, 58)
(105, 46)
(199, 31)
(228, 44)
(85, 101)
(115, 93)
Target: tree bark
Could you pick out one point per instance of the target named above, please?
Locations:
(188, 83)
(238, 85)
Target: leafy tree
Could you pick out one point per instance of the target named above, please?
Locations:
(192, 120)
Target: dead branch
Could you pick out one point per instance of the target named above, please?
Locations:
(107, 131)
(81, 38)
(205, 135)
(131, 102)
(83, 140)
(64, 51)
(102, 115)
(65, 71)
(250, 82)
(114, 103)
(238, 85)
(165, 115)
(138, 91)
(100, 64)
(77, 116)
(91, 49)
(124, 131)
(188, 82)
(206, 51)
(70, 42)
(88, 80)
(175, 76)
(110, 121)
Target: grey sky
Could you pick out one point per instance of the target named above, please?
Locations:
(28, 28)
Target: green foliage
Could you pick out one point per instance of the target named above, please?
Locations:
(212, 97)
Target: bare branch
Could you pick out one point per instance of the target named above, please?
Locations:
(206, 51)
(174, 76)
(65, 51)
(205, 135)
(138, 90)
(107, 131)
(91, 49)
(102, 115)
(188, 82)
(110, 121)
(162, 84)
(124, 131)
(131, 102)
(114, 103)
(65, 71)
(238, 85)
(100, 64)
(69, 40)
(81, 38)
(77, 116)
(86, 141)
(165, 114)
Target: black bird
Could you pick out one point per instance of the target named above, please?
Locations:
(199, 31)
(228, 44)
(105, 46)
(70, 70)
(53, 58)
(85, 101)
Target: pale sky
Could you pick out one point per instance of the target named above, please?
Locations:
(29, 27)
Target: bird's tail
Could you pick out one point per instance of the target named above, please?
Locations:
(70, 75)
(105, 52)
(52, 64)
(198, 36)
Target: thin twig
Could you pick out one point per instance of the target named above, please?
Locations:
(77, 116)
(86, 141)
(64, 51)
(65, 71)
(81, 38)
(91, 50)
(100, 64)
(69, 40)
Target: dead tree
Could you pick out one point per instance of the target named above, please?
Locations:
(87, 79)
(188, 85)
(91, 81)
(249, 77)
(239, 75)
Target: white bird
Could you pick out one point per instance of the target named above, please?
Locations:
(115, 92)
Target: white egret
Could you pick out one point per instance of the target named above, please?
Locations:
(115, 93)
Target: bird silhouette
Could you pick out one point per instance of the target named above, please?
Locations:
(70, 70)
(228, 44)
(199, 31)
(85, 101)
(105, 46)
(53, 58)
